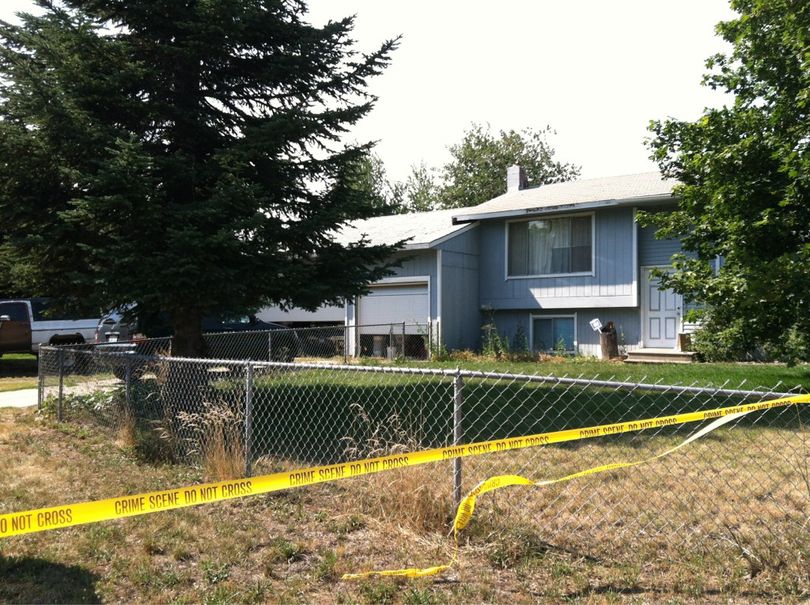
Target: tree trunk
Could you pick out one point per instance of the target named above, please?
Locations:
(188, 340)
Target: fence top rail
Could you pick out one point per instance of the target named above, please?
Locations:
(445, 372)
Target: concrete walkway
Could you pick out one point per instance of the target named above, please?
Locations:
(18, 399)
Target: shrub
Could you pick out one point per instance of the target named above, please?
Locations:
(722, 343)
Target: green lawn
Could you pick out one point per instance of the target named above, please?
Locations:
(318, 415)
(734, 375)
(18, 371)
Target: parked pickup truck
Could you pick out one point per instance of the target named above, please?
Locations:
(25, 324)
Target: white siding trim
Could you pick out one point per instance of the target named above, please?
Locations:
(438, 310)
(634, 288)
(577, 302)
(401, 281)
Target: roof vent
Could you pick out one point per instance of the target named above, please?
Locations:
(516, 179)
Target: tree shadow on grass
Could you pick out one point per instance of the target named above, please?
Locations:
(318, 422)
(34, 580)
(18, 366)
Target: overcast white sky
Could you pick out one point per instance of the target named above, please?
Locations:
(595, 71)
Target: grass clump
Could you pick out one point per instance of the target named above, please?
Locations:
(216, 436)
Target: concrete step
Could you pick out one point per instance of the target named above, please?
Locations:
(659, 356)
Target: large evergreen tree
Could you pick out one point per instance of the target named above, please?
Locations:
(184, 154)
(745, 192)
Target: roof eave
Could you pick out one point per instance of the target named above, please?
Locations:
(630, 201)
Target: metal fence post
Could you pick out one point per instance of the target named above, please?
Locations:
(403, 341)
(61, 384)
(270, 346)
(248, 418)
(40, 379)
(345, 344)
(128, 382)
(458, 432)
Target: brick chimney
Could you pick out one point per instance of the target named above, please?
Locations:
(516, 179)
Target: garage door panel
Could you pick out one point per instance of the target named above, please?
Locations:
(394, 304)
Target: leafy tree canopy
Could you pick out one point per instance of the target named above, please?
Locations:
(477, 171)
(745, 192)
(184, 154)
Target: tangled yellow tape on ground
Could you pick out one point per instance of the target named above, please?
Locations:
(42, 519)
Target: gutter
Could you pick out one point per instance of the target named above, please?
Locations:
(559, 208)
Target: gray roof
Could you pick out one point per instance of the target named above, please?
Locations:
(421, 229)
(427, 229)
(586, 193)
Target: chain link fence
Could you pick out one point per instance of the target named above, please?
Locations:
(742, 487)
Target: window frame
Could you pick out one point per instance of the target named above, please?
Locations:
(534, 316)
(17, 303)
(591, 273)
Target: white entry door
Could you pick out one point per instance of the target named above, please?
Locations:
(660, 313)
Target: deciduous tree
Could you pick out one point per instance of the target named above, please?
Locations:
(477, 171)
(745, 183)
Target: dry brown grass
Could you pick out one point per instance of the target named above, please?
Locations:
(217, 437)
(224, 452)
(126, 429)
(414, 498)
(607, 539)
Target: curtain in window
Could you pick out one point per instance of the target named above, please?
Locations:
(540, 240)
(550, 246)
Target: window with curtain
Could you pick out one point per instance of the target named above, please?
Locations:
(550, 246)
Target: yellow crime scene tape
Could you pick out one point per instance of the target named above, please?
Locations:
(55, 517)
(466, 507)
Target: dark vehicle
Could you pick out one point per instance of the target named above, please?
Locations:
(244, 337)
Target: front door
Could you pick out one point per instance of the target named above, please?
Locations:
(15, 334)
(660, 313)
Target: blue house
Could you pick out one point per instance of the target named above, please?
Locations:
(545, 261)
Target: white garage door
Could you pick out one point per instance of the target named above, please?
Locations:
(394, 304)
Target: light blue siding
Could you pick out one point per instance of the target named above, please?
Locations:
(460, 312)
(653, 251)
(612, 283)
(626, 320)
(416, 263)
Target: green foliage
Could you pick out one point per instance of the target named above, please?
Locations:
(795, 347)
(744, 192)
(494, 346)
(185, 156)
(438, 351)
(477, 171)
(724, 342)
(326, 569)
(421, 189)
(520, 343)
(372, 181)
